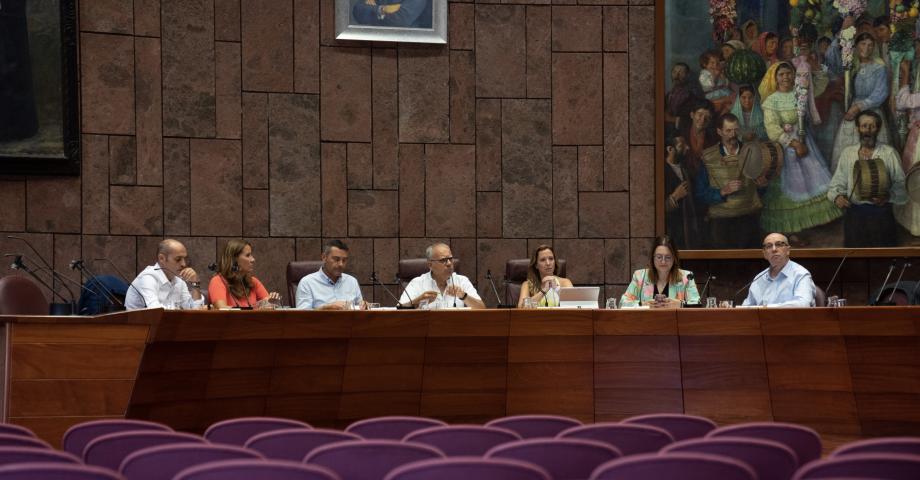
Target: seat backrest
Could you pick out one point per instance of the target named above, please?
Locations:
(686, 466)
(295, 443)
(516, 275)
(16, 440)
(804, 441)
(463, 440)
(535, 426)
(111, 449)
(469, 468)
(362, 459)
(679, 425)
(253, 469)
(890, 466)
(563, 458)
(165, 461)
(78, 436)
(771, 460)
(10, 455)
(820, 297)
(908, 445)
(296, 271)
(237, 431)
(13, 429)
(21, 296)
(46, 470)
(409, 268)
(392, 427)
(629, 439)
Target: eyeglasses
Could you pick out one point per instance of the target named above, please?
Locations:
(769, 246)
(446, 260)
(663, 258)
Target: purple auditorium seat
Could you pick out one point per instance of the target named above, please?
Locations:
(563, 458)
(237, 431)
(14, 440)
(890, 466)
(685, 466)
(369, 459)
(55, 471)
(535, 426)
(13, 429)
(469, 469)
(77, 436)
(165, 461)
(462, 440)
(907, 445)
(680, 426)
(771, 460)
(629, 439)
(111, 449)
(256, 470)
(11, 455)
(295, 443)
(804, 441)
(391, 428)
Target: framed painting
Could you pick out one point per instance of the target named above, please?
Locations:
(800, 117)
(39, 100)
(418, 21)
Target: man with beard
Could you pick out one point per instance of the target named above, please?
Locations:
(733, 199)
(680, 211)
(785, 283)
(684, 93)
(868, 222)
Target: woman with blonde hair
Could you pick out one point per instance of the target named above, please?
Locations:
(234, 285)
(542, 279)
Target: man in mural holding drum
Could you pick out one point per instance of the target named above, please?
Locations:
(867, 182)
(733, 199)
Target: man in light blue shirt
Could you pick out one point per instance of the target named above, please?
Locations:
(329, 288)
(785, 283)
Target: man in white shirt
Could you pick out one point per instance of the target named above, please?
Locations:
(170, 283)
(441, 287)
(785, 283)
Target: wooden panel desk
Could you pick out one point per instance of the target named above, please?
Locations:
(849, 373)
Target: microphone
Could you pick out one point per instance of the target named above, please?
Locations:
(879, 296)
(898, 283)
(401, 292)
(450, 281)
(54, 274)
(498, 300)
(19, 265)
(839, 265)
(735, 296)
(709, 278)
(113, 299)
(399, 306)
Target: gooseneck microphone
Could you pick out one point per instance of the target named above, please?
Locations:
(54, 274)
(709, 278)
(898, 283)
(399, 306)
(109, 295)
(18, 264)
(498, 300)
(839, 265)
(735, 296)
(882, 288)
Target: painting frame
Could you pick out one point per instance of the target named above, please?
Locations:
(345, 29)
(661, 71)
(66, 161)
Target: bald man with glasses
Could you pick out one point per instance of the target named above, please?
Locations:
(441, 287)
(785, 283)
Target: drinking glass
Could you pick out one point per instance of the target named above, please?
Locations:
(611, 303)
(423, 304)
(727, 304)
(711, 302)
(274, 303)
(841, 302)
(832, 301)
(528, 302)
(373, 306)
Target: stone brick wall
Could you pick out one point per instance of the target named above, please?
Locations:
(210, 119)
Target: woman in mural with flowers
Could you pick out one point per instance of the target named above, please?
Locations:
(796, 200)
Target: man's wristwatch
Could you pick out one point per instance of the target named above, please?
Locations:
(464, 296)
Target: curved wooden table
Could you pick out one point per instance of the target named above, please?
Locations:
(849, 373)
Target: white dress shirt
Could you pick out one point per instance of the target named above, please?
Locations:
(792, 287)
(151, 289)
(424, 283)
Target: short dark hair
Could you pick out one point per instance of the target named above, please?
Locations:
(327, 247)
(726, 117)
(869, 113)
(864, 36)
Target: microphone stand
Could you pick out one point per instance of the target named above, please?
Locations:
(498, 299)
(399, 306)
(898, 283)
(827, 290)
(106, 292)
(54, 274)
(64, 308)
(735, 296)
(882, 288)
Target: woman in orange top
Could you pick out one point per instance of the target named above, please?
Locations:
(234, 285)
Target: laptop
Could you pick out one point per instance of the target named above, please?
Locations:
(579, 297)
